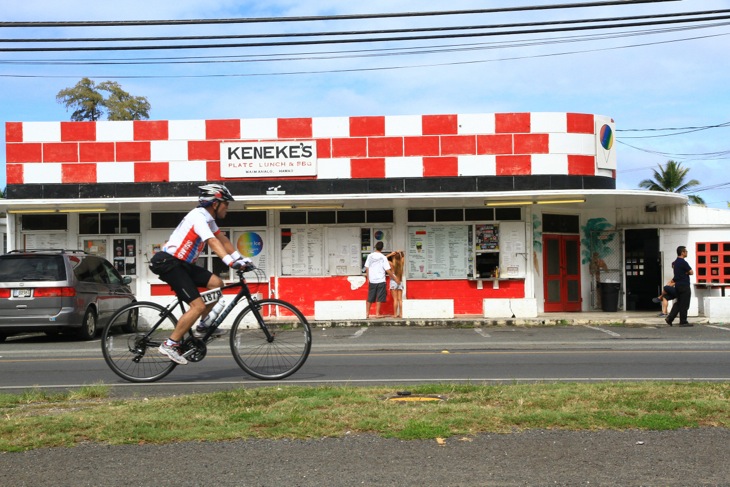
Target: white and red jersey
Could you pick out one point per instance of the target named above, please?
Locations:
(188, 239)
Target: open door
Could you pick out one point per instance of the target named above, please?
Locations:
(561, 262)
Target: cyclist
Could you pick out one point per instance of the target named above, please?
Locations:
(175, 264)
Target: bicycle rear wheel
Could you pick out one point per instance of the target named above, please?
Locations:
(280, 356)
(134, 356)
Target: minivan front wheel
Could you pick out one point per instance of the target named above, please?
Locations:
(88, 326)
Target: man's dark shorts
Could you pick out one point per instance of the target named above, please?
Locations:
(377, 293)
(183, 278)
(671, 292)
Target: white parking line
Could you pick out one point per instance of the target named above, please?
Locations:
(359, 332)
(482, 332)
(607, 332)
(719, 327)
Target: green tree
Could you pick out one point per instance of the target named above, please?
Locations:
(670, 178)
(89, 103)
(120, 105)
(85, 100)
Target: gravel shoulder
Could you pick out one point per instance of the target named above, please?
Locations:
(535, 458)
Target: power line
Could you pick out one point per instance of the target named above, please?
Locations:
(353, 53)
(124, 23)
(362, 40)
(362, 32)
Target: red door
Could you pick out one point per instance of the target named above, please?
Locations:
(561, 264)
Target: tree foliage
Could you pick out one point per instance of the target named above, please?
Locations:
(88, 101)
(671, 178)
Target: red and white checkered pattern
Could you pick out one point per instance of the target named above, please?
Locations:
(347, 147)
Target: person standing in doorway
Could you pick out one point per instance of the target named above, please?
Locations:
(376, 268)
(397, 260)
(682, 271)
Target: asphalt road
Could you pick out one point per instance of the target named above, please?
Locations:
(382, 355)
(403, 355)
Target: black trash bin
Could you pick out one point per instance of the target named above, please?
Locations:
(609, 296)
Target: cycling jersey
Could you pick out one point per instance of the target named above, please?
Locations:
(188, 239)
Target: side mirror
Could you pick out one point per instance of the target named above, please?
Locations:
(127, 280)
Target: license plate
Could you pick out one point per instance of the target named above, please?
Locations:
(21, 293)
(211, 296)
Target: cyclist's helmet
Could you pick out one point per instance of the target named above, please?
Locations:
(213, 192)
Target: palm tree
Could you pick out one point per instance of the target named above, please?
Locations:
(671, 179)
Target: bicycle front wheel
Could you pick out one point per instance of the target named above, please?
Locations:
(279, 353)
(128, 347)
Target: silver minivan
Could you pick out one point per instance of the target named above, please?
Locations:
(56, 291)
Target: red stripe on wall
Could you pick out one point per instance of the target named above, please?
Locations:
(367, 126)
(61, 152)
(440, 167)
(96, 152)
(531, 144)
(13, 132)
(385, 147)
(78, 131)
(440, 124)
(204, 150)
(133, 151)
(581, 165)
(514, 165)
(512, 123)
(14, 173)
(30, 152)
(294, 128)
(353, 147)
(580, 123)
(367, 168)
(151, 172)
(458, 145)
(494, 144)
(78, 173)
(150, 130)
(422, 146)
(223, 129)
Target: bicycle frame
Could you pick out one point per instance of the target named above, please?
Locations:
(244, 292)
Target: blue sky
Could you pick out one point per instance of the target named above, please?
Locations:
(669, 79)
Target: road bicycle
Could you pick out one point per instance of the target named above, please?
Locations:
(270, 339)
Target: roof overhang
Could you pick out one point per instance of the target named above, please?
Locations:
(587, 199)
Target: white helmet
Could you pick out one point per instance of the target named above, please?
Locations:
(214, 192)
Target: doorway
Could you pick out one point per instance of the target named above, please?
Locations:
(122, 253)
(643, 269)
(561, 281)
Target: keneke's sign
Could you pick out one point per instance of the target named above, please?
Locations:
(268, 159)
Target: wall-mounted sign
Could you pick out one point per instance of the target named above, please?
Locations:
(268, 159)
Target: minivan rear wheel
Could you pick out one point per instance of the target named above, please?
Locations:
(88, 326)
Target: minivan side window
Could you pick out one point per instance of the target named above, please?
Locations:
(112, 276)
(88, 270)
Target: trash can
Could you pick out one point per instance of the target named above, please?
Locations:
(609, 296)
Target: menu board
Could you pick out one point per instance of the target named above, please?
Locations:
(302, 251)
(437, 252)
(343, 251)
(512, 255)
(39, 241)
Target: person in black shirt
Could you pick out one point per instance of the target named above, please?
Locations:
(682, 271)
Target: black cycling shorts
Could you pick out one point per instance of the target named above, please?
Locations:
(183, 278)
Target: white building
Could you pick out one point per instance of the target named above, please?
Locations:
(530, 194)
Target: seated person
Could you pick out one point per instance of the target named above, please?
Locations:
(669, 293)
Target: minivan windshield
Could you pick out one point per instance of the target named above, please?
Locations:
(14, 268)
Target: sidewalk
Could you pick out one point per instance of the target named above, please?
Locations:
(626, 318)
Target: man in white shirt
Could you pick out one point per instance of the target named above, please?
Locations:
(376, 268)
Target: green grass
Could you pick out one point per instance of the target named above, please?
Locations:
(36, 419)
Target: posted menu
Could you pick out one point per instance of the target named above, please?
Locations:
(437, 252)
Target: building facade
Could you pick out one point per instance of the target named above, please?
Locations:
(501, 215)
